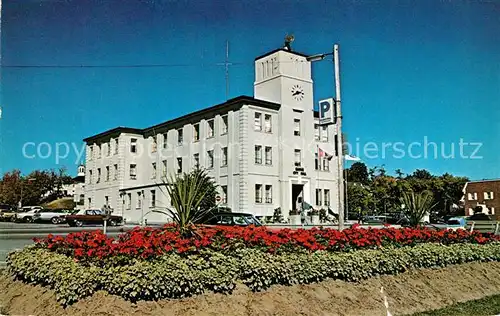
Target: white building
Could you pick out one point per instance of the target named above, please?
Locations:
(261, 150)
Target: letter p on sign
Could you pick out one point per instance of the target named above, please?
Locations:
(327, 111)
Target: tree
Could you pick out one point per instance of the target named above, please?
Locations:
(189, 196)
(417, 205)
(360, 200)
(422, 174)
(358, 173)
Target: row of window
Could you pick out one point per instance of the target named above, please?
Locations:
(267, 126)
(268, 190)
(140, 198)
(210, 128)
(103, 148)
(321, 134)
(486, 195)
(325, 194)
(107, 175)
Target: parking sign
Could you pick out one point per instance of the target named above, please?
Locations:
(327, 111)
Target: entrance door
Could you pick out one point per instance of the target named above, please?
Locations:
(297, 190)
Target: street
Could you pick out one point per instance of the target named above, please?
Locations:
(17, 235)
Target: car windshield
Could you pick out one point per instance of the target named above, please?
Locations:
(252, 220)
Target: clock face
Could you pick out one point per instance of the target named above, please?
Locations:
(297, 92)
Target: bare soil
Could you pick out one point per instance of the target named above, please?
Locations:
(407, 293)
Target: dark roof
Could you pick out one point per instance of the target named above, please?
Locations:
(484, 180)
(229, 105)
(113, 133)
(281, 49)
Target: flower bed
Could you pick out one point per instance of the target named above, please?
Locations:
(149, 243)
(175, 276)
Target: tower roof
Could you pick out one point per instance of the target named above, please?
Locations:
(281, 49)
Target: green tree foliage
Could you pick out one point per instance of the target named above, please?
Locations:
(360, 200)
(358, 173)
(387, 190)
(39, 186)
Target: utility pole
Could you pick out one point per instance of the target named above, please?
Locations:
(338, 113)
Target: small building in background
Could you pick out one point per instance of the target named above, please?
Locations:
(484, 193)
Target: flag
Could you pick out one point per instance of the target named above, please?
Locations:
(351, 158)
(322, 153)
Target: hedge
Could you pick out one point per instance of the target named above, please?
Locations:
(175, 276)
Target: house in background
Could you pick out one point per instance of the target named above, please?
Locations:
(484, 193)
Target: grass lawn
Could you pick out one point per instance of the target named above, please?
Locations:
(487, 306)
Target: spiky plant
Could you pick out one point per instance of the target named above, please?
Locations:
(417, 205)
(189, 194)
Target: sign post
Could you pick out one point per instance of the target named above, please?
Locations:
(327, 112)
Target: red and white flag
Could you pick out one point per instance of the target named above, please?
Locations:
(323, 154)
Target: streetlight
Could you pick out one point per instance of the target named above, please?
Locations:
(338, 125)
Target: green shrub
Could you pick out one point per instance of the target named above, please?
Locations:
(174, 276)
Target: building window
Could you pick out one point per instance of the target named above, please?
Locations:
(90, 176)
(492, 210)
(196, 132)
(316, 162)
(269, 193)
(133, 145)
(316, 132)
(210, 159)
(470, 196)
(98, 175)
(109, 148)
(153, 170)
(164, 173)
(258, 154)
(224, 157)
(89, 152)
(224, 193)
(179, 165)
(336, 145)
(115, 173)
(324, 133)
(139, 200)
(318, 197)
(116, 146)
(153, 144)
(327, 197)
(488, 195)
(224, 127)
(210, 131)
(326, 164)
(267, 123)
(258, 121)
(258, 193)
(152, 202)
(90, 202)
(296, 127)
(196, 160)
(165, 140)
(180, 137)
(129, 201)
(133, 171)
(269, 155)
(100, 150)
(107, 173)
(298, 157)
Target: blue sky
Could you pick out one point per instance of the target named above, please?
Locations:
(409, 70)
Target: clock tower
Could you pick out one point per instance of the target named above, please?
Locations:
(284, 76)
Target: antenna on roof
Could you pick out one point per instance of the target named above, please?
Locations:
(226, 64)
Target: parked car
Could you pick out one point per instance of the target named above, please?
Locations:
(55, 216)
(232, 219)
(92, 217)
(6, 212)
(479, 217)
(26, 214)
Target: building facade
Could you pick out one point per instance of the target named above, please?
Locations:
(264, 152)
(484, 193)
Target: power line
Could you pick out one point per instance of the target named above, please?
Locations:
(134, 65)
